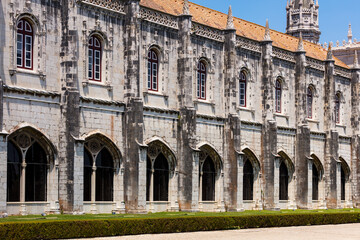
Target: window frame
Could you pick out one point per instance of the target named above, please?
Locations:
(278, 96)
(201, 80)
(93, 50)
(309, 102)
(24, 34)
(337, 108)
(153, 66)
(243, 82)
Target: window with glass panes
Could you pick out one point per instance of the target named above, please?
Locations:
(24, 44)
(278, 92)
(95, 51)
(201, 81)
(153, 67)
(309, 102)
(242, 90)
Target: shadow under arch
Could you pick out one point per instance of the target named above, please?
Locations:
(250, 154)
(346, 168)
(96, 141)
(318, 165)
(289, 163)
(23, 131)
(156, 146)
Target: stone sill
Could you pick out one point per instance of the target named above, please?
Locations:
(39, 74)
(207, 202)
(312, 120)
(158, 202)
(248, 201)
(200, 101)
(26, 203)
(245, 109)
(154, 93)
(340, 125)
(87, 83)
(106, 202)
(282, 115)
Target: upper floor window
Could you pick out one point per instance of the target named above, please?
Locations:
(242, 89)
(337, 108)
(309, 102)
(95, 51)
(278, 92)
(201, 80)
(153, 69)
(24, 44)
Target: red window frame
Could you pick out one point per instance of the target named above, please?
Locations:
(94, 59)
(242, 89)
(153, 71)
(278, 93)
(24, 44)
(201, 81)
(309, 103)
(337, 108)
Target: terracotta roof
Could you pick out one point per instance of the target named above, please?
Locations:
(215, 19)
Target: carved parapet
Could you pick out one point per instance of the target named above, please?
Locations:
(248, 44)
(114, 5)
(159, 18)
(207, 32)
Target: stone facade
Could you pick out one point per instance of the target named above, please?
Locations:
(57, 105)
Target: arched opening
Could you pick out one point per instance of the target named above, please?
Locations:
(201, 80)
(36, 174)
(284, 182)
(24, 44)
(242, 88)
(278, 95)
(343, 182)
(153, 69)
(309, 103)
(337, 108)
(104, 176)
(14, 156)
(95, 56)
(248, 181)
(315, 182)
(161, 178)
(208, 180)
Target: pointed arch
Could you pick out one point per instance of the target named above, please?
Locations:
(250, 154)
(107, 142)
(288, 161)
(212, 152)
(161, 146)
(346, 168)
(319, 165)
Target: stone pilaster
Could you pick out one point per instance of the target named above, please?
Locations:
(269, 128)
(3, 172)
(332, 137)
(70, 101)
(303, 131)
(355, 120)
(232, 125)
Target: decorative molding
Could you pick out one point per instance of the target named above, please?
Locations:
(315, 64)
(159, 18)
(101, 101)
(342, 72)
(31, 91)
(284, 55)
(161, 110)
(248, 44)
(114, 5)
(207, 32)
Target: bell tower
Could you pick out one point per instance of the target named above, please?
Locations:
(303, 17)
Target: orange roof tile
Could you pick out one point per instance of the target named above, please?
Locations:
(215, 19)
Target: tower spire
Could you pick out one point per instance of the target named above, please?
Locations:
(230, 20)
(301, 44)
(350, 34)
(186, 9)
(267, 36)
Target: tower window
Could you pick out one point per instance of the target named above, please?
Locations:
(278, 93)
(24, 45)
(201, 80)
(95, 52)
(309, 102)
(153, 67)
(242, 89)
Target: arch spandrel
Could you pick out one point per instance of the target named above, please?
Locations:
(318, 165)
(156, 146)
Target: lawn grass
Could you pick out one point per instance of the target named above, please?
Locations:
(60, 217)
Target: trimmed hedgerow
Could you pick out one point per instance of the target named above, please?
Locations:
(118, 227)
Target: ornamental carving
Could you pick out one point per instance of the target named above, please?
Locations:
(207, 32)
(159, 18)
(315, 64)
(113, 5)
(94, 146)
(342, 72)
(248, 45)
(23, 140)
(284, 55)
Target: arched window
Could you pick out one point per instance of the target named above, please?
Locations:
(24, 44)
(248, 181)
(153, 69)
(343, 183)
(315, 182)
(284, 181)
(337, 108)
(201, 80)
(309, 102)
(157, 178)
(34, 166)
(242, 89)
(95, 53)
(278, 92)
(13, 173)
(208, 175)
(99, 172)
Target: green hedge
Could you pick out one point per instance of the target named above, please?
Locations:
(118, 227)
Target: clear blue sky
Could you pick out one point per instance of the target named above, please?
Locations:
(335, 15)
